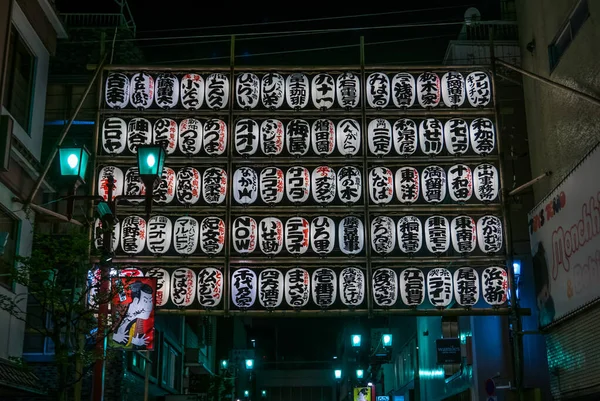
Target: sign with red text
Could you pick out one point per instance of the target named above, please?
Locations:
(565, 242)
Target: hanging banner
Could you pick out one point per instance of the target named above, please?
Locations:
(362, 394)
(564, 230)
(133, 313)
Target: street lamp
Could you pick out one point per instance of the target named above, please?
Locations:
(151, 160)
(246, 393)
(224, 363)
(249, 364)
(386, 339)
(73, 162)
(263, 394)
(338, 374)
(356, 340)
(360, 373)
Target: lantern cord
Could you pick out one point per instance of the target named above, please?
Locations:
(112, 50)
(309, 19)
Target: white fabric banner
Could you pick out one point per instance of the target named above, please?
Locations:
(565, 243)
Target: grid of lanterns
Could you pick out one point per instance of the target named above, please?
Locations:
(323, 287)
(297, 90)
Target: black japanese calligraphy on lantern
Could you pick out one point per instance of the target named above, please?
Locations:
(352, 286)
(460, 183)
(297, 184)
(381, 185)
(453, 89)
(380, 137)
(405, 137)
(134, 185)
(185, 235)
(404, 90)
(431, 136)
(322, 235)
(407, 184)
(192, 91)
(103, 178)
(271, 137)
(323, 91)
(139, 132)
(214, 185)
(494, 285)
(378, 90)
(464, 234)
(160, 230)
(210, 287)
(351, 235)
(272, 90)
(456, 135)
(324, 287)
(243, 288)
(245, 185)
(412, 286)
(133, 234)
(246, 136)
(410, 234)
(188, 186)
(247, 90)
(385, 287)
(437, 234)
(270, 288)
(348, 137)
(296, 90)
(270, 234)
(483, 136)
(485, 182)
(165, 134)
(297, 287)
(349, 184)
(215, 137)
(116, 90)
(439, 287)
(323, 137)
(166, 94)
(212, 235)
(164, 190)
(348, 90)
(433, 183)
(190, 136)
(141, 89)
(479, 89)
(297, 137)
(183, 287)
(383, 235)
(217, 91)
(297, 232)
(271, 185)
(489, 234)
(466, 286)
(99, 235)
(323, 184)
(163, 284)
(244, 235)
(428, 89)
(114, 135)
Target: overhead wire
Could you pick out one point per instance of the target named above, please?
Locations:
(309, 19)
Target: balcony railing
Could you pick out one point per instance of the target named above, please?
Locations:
(503, 30)
(97, 20)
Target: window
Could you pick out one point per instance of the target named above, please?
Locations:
(171, 366)
(567, 33)
(8, 246)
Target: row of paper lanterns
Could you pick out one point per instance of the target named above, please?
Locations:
(434, 184)
(272, 288)
(299, 235)
(297, 90)
(271, 137)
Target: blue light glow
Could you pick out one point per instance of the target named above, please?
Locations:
(64, 122)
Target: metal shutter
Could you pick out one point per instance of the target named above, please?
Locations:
(574, 356)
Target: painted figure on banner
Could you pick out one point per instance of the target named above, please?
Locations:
(190, 136)
(324, 287)
(385, 287)
(323, 91)
(348, 90)
(214, 139)
(404, 90)
(114, 135)
(217, 91)
(378, 90)
(297, 90)
(456, 134)
(431, 136)
(348, 137)
(247, 90)
(133, 313)
(166, 94)
(272, 92)
(116, 91)
(141, 89)
(192, 91)
(479, 89)
(405, 136)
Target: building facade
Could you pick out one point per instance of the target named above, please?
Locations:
(29, 30)
(558, 43)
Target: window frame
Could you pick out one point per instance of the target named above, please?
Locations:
(565, 32)
(16, 223)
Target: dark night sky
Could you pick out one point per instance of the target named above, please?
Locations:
(186, 19)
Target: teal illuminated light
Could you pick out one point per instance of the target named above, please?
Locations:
(151, 160)
(386, 339)
(356, 340)
(73, 162)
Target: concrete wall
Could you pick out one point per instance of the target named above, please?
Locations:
(562, 127)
